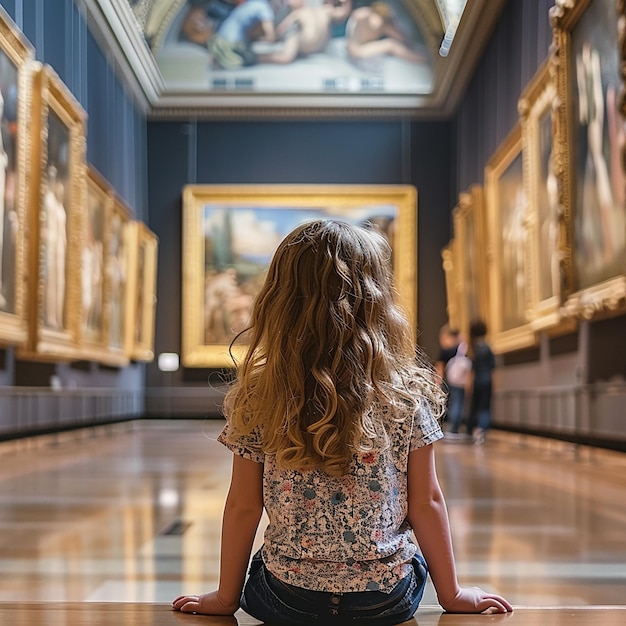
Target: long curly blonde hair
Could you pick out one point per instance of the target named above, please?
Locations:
(326, 338)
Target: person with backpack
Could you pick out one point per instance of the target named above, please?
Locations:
(484, 363)
(455, 368)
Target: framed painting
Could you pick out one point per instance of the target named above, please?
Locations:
(508, 249)
(591, 128)
(547, 227)
(225, 256)
(142, 274)
(94, 277)
(470, 237)
(56, 220)
(449, 258)
(117, 266)
(16, 55)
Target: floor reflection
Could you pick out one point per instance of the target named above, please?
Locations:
(132, 514)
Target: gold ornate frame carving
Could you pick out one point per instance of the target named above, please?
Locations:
(142, 275)
(18, 56)
(470, 229)
(607, 295)
(55, 230)
(278, 208)
(508, 249)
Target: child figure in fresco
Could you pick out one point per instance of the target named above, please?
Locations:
(306, 29)
(371, 32)
(331, 422)
(231, 45)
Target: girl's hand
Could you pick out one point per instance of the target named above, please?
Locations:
(206, 604)
(475, 600)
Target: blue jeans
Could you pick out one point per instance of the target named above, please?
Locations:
(274, 602)
(480, 414)
(456, 403)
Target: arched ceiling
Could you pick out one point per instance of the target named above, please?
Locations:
(339, 58)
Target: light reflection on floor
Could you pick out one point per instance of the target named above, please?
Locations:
(83, 516)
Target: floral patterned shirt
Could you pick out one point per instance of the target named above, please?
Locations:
(348, 533)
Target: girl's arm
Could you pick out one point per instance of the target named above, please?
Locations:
(242, 513)
(428, 517)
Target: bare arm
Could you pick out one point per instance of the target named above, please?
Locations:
(428, 517)
(242, 513)
(269, 33)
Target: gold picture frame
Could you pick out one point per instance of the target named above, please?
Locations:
(142, 275)
(231, 231)
(55, 229)
(470, 227)
(588, 55)
(547, 227)
(16, 55)
(508, 248)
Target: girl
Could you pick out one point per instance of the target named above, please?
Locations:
(331, 421)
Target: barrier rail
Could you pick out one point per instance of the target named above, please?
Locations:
(33, 410)
(594, 413)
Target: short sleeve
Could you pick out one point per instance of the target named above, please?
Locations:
(246, 446)
(426, 428)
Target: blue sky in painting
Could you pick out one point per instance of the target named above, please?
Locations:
(257, 230)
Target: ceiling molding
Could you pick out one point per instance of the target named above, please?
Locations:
(472, 36)
(116, 27)
(115, 33)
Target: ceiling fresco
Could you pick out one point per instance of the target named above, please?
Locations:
(283, 52)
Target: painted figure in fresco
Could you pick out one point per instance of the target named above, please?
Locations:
(231, 45)
(197, 27)
(306, 29)
(371, 32)
(55, 236)
(602, 227)
(4, 163)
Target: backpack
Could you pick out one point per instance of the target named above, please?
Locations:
(458, 368)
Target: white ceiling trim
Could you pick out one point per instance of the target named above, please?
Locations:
(114, 24)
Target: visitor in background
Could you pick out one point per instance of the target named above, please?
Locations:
(451, 346)
(483, 365)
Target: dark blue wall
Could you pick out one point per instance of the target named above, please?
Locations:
(488, 111)
(316, 152)
(116, 141)
(116, 128)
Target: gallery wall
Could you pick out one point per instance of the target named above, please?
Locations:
(488, 110)
(487, 113)
(315, 152)
(59, 32)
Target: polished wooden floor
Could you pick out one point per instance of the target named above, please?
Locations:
(107, 526)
